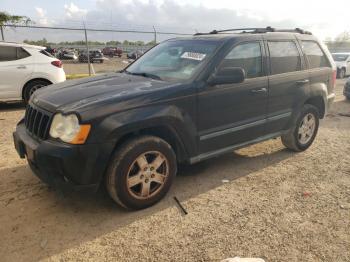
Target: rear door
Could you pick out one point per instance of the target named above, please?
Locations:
(288, 77)
(16, 66)
(231, 114)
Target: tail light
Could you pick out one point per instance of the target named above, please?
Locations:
(334, 78)
(57, 63)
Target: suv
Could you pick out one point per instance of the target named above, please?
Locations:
(185, 100)
(26, 68)
(95, 56)
(342, 61)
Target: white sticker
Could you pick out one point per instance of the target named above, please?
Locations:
(193, 56)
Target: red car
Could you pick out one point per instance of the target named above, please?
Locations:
(112, 51)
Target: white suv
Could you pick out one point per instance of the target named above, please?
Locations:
(26, 68)
(342, 60)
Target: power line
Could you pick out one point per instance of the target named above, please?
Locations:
(96, 30)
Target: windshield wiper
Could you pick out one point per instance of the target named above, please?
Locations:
(144, 74)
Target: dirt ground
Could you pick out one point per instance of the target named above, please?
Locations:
(277, 205)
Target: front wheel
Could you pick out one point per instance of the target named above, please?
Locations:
(141, 172)
(301, 136)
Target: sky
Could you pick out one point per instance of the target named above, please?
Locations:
(183, 16)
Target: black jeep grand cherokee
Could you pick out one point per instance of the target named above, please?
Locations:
(185, 100)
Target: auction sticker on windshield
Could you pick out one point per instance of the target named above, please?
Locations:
(193, 56)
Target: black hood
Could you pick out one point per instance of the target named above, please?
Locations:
(79, 95)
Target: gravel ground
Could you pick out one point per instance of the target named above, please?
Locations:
(277, 205)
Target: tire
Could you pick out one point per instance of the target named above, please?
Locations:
(300, 137)
(133, 163)
(31, 87)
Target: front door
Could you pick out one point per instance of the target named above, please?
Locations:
(231, 114)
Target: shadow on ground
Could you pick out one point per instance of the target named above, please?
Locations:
(13, 106)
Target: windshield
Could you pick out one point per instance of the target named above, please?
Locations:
(340, 57)
(174, 60)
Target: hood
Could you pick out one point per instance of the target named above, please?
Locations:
(80, 94)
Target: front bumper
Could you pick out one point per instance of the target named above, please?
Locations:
(65, 166)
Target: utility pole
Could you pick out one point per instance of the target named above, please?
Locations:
(2, 33)
(155, 35)
(87, 49)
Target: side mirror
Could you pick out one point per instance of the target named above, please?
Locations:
(227, 75)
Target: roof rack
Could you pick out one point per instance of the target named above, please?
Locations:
(257, 30)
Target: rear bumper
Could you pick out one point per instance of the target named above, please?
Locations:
(64, 166)
(58, 77)
(330, 100)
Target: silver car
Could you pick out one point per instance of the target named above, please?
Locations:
(342, 60)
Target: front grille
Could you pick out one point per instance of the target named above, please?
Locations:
(37, 122)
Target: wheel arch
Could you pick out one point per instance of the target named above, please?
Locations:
(165, 132)
(32, 80)
(319, 103)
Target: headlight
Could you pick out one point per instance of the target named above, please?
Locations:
(68, 129)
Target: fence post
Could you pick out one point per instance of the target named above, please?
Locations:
(2, 33)
(87, 49)
(155, 35)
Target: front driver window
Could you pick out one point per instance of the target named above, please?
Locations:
(247, 56)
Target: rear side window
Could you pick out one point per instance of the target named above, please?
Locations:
(315, 54)
(284, 57)
(246, 56)
(11, 53)
(8, 53)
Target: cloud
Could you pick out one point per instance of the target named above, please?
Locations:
(182, 16)
(41, 13)
(73, 11)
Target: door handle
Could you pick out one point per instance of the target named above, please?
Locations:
(258, 91)
(21, 67)
(303, 82)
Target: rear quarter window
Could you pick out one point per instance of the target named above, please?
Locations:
(315, 55)
(284, 57)
(21, 53)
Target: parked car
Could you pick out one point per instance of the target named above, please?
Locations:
(26, 68)
(67, 55)
(342, 61)
(112, 51)
(134, 54)
(95, 56)
(51, 51)
(183, 101)
(346, 91)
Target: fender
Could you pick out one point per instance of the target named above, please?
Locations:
(308, 93)
(116, 126)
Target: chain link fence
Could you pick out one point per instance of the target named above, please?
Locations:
(86, 51)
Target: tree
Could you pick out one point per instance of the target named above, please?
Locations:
(343, 37)
(6, 18)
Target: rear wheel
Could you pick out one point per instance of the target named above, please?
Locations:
(301, 136)
(141, 172)
(31, 87)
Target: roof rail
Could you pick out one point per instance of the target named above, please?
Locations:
(257, 30)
